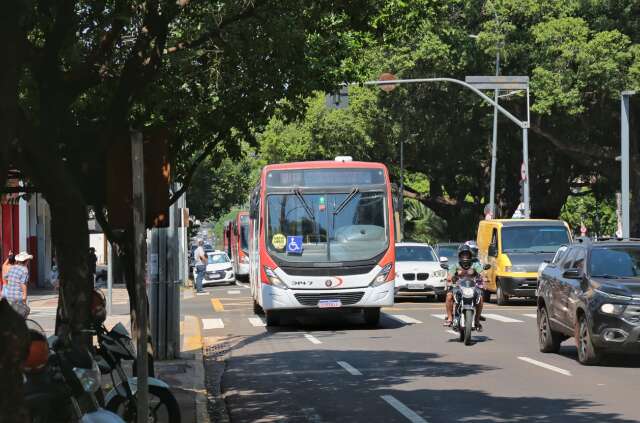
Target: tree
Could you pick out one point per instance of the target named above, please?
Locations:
(79, 74)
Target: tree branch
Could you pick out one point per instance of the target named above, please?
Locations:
(186, 181)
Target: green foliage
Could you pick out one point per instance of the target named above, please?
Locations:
(422, 224)
(599, 217)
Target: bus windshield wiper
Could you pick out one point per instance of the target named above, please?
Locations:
(344, 203)
(304, 203)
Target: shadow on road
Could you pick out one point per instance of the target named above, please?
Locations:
(611, 360)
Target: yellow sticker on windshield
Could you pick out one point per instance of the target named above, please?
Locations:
(279, 241)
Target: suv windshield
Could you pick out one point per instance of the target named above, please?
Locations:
(415, 253)
(218, 258)
(330, 227)
(533, 239)
(615, 261)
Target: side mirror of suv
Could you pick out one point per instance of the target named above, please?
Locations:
(572, 274)
(444, 262)
(493, 251)
(486, 267)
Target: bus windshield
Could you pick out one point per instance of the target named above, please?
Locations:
(332, 227)
(534, 239)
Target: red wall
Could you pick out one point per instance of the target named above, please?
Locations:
(10, 230)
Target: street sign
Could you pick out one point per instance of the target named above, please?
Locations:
(339, 100)
(498, 82)
(387, 77)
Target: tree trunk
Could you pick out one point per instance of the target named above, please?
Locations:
(13, 349)
(71, 242)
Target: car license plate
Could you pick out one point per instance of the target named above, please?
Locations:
(415, 286)
(216, 276)
(329, 303)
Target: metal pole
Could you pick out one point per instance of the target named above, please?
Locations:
(525, 158)
(494, 145)
(624, 153)
(137, 164)
(402, 187)
(109, 278)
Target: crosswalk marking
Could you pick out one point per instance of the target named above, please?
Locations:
(439, 316)
(232, 292)
(312, 338)
(501, 318)
(533, 316)
(452, 332)
(212, 324)
(256, 321)
(404, 319)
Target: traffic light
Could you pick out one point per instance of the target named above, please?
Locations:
(521, 183)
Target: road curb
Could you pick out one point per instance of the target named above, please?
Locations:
(191, 348)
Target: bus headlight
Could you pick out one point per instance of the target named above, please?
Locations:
(382, 276)
(274, 279)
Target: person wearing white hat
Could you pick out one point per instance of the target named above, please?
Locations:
(17, 279)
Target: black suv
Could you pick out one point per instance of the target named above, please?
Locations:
(591, 291)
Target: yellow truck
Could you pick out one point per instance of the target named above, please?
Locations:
(515, 248)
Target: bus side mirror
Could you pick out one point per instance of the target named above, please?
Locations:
(444, 262)
(486, 267)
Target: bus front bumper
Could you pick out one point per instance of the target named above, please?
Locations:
(274, 298)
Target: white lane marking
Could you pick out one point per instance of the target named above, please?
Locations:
(312, 338)
(501, 318)
(545, 366)
(452, 332)
(348, 367)
(235, 291)
(533, 316)
(242, 285)
(256, 321)
(212, 324)
(439, 316)
(404, 319)
(403, 409)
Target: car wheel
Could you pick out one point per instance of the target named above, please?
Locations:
(442, 297)
(486, 296)
(272, 317)
(587, 352)
(502, 298)
(372, 316)
(548, 339)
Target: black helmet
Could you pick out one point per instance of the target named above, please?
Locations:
(465, 262)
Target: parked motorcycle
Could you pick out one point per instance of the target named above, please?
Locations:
(114, 346)
(61, 381)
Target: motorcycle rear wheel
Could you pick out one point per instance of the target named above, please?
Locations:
(162, 397)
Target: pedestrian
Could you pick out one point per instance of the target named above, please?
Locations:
(15, 291)
(10, 261)
(93, 261)
(55, 274)
(201, 265)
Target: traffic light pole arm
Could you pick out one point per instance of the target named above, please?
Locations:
(521, 124)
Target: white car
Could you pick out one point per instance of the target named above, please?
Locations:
(418, 271)
(219, 269)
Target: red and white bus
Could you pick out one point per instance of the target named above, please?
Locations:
(322, 236)
(240, 244)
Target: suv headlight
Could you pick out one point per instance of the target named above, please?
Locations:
(89, 378)
(608, 308)
(439, 274)
(274, 279)
(382, 276)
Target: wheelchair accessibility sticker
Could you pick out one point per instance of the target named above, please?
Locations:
(294, 244)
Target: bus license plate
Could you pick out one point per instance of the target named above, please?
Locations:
(329, 303)
(416, 286)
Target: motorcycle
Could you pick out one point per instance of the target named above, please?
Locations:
(466, 297)
(61, 381)
(114, 346)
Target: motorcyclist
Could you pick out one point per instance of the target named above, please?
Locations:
(466, 266)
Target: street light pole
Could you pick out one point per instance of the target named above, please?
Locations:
(494, 145)
(402, 187)
(624, 156)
